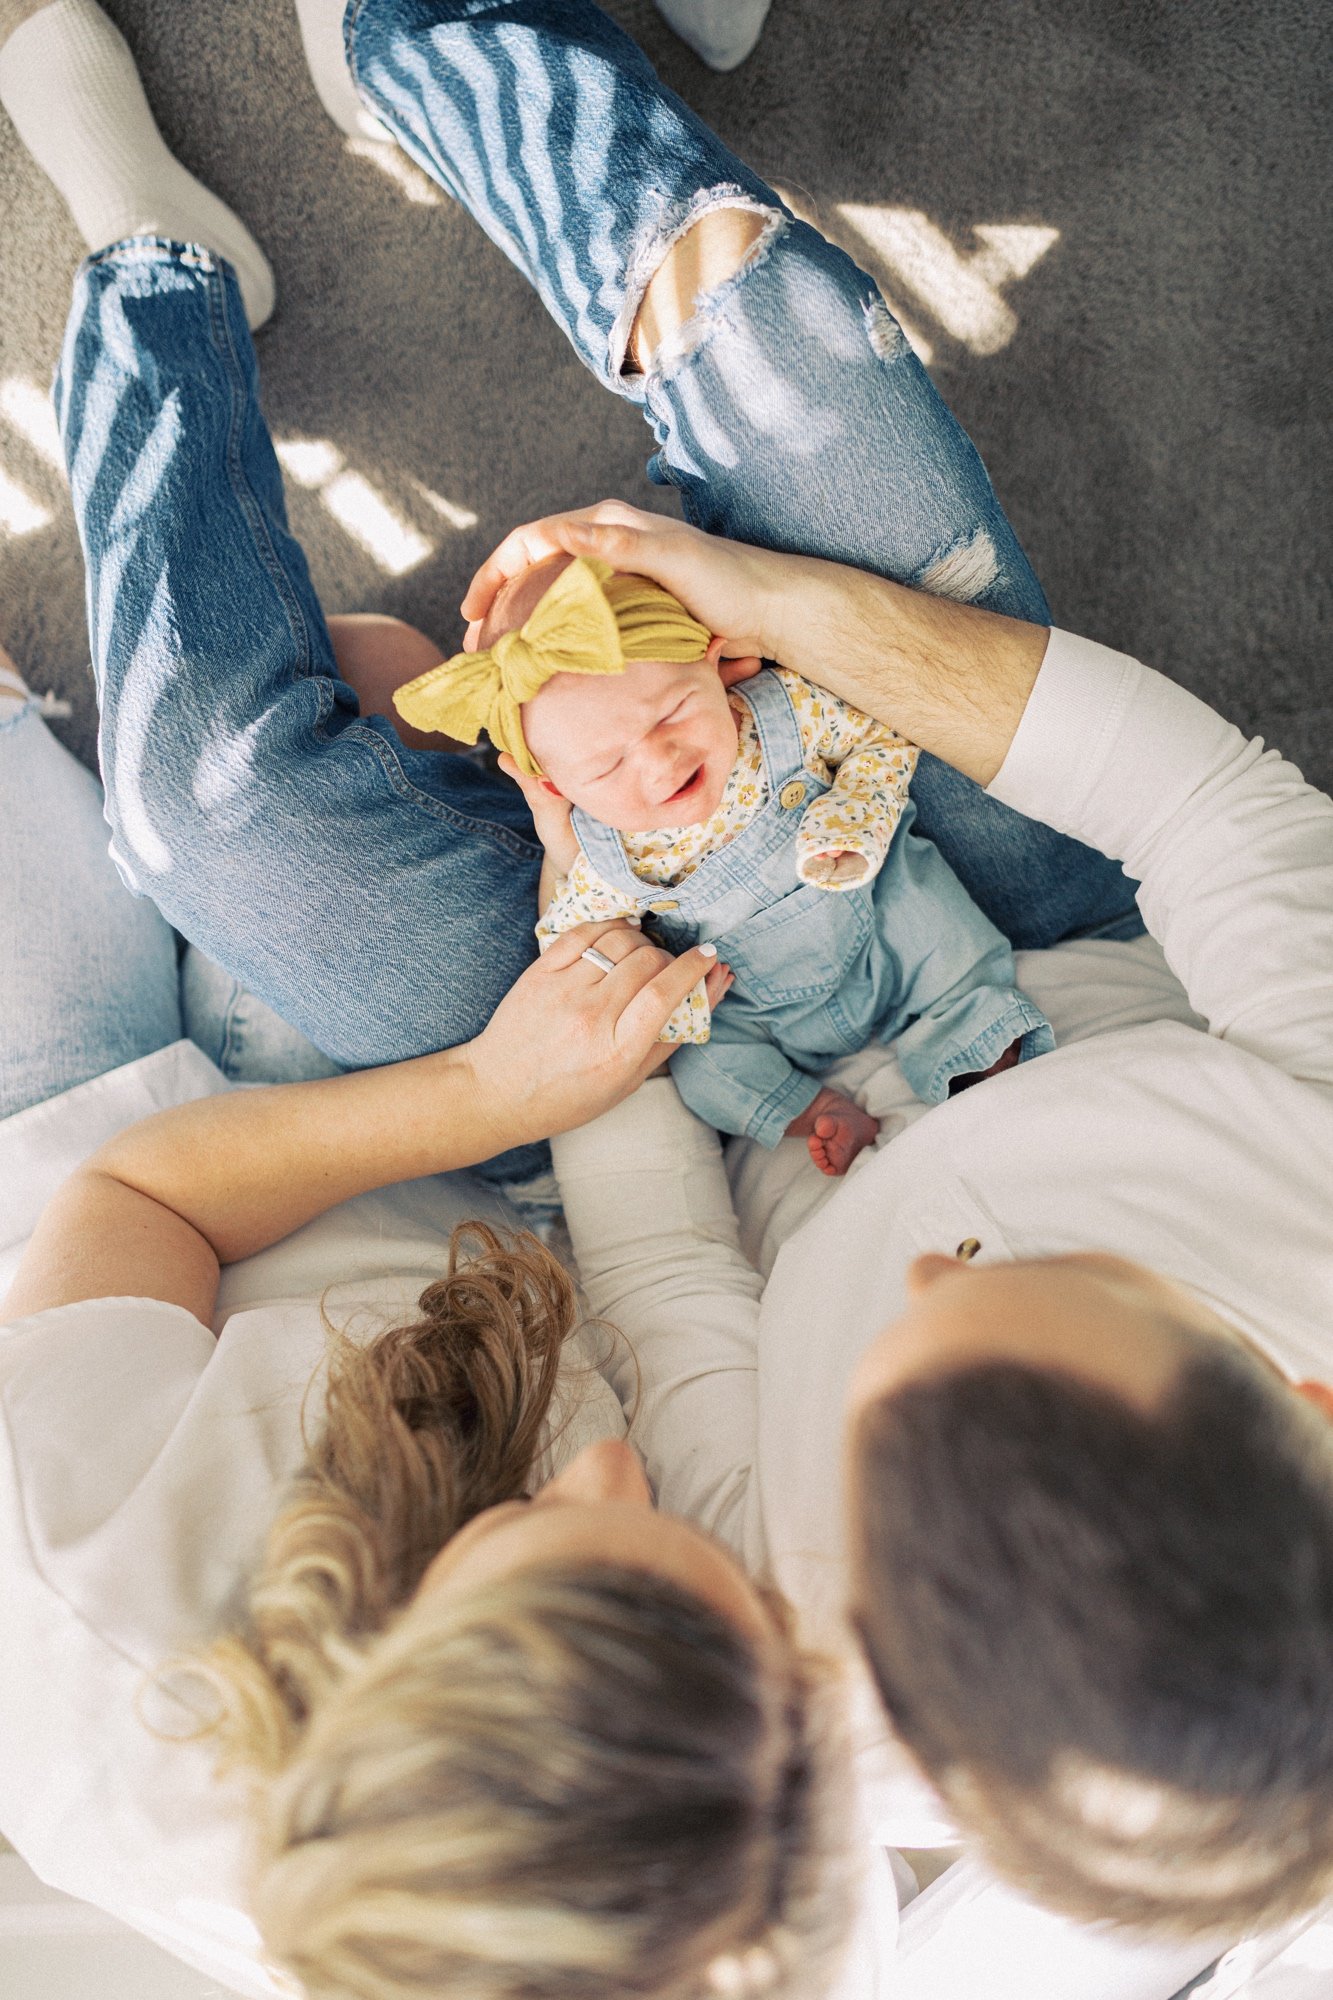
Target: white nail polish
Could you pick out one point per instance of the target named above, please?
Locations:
(708, 950)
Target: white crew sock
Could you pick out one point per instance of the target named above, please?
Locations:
(68, 81)
(321, 24)
(721, 32)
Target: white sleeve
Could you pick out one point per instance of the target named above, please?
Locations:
(109, 1513)
(1234, 851)
(969, 1934)
(655, 1236)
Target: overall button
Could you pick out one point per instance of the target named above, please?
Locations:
(792, 795)
(660, 909)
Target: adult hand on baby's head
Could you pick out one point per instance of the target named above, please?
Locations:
(569, 1039)
(731, 588)
(551, 815)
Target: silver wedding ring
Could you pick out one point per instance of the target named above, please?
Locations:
(598, 958)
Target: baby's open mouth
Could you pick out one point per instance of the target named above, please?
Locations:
(692, 783)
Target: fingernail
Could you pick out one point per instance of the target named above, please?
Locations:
(708, 950)
(635, 923)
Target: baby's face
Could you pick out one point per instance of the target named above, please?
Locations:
(648, 748)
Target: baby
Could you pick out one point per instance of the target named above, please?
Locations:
(770, 819)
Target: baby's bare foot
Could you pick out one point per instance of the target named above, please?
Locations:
(835, 1130)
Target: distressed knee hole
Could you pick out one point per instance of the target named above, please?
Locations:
(886, 337)
(965, 572)
(707, 256)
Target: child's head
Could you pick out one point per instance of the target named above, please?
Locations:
(636, 729)
(649, 747)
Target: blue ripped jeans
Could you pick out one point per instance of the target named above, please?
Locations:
(381, 898)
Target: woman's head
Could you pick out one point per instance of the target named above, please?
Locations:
(1092, 1546)
(518, 1749)
(558, 1782)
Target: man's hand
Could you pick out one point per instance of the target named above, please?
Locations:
(551, 815)
(728, 586)
(948, 676)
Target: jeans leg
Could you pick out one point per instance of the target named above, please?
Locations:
(87, 972)
(548, 124)
(792, 412)
(379, 899)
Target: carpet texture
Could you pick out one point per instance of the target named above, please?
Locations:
(1106, 220)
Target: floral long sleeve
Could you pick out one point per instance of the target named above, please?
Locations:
(870, 768)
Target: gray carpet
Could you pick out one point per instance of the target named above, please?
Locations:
(1150, 393)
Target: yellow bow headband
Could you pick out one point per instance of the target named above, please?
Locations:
(590, 621)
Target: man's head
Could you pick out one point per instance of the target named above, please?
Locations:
(650, 747)
(1092, 1547)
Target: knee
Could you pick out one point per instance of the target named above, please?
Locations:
(712, 251)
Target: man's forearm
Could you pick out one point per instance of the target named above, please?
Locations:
(949, 677)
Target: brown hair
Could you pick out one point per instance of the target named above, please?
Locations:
(1107, 1635)
(566, 1782)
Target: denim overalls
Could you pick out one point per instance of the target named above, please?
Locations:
(906, 957)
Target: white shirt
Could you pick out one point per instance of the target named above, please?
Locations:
(140, 1463)
(1193, 1134)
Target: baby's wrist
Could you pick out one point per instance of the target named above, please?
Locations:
(833, 867)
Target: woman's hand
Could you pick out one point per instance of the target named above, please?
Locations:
(569, 1040)
(729, 587)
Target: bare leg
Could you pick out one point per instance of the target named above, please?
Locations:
(377, 654)
(697, 263)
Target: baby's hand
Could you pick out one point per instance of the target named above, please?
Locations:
(840, 868)
(551, 815)
(718, 982)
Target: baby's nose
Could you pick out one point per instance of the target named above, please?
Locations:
(670, 755)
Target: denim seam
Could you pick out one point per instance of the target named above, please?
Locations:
(763, 1124)
(173, 249)
(963, 1062)
(854, 1038)
(248, 504)
(370, 739)
(351, 22)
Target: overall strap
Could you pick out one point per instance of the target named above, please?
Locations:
(779, 731)
(606, 854)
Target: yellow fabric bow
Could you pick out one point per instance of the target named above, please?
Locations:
(590, 621)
